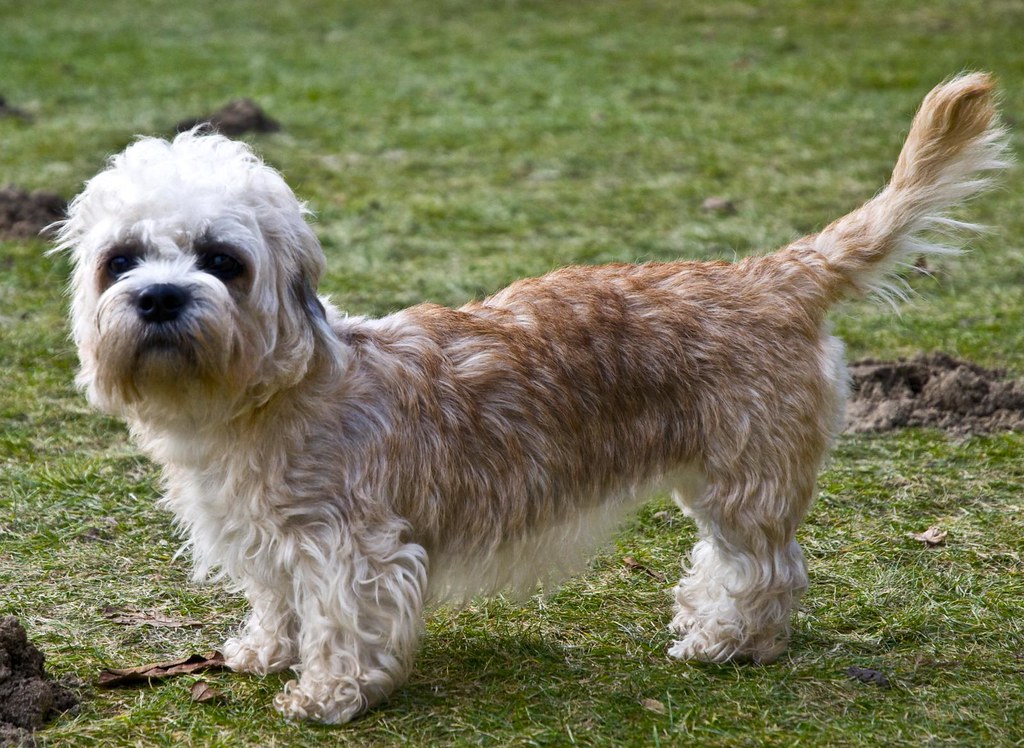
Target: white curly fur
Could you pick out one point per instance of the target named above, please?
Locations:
(344, 472)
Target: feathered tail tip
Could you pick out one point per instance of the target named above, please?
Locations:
(955, 144)
(955, 134)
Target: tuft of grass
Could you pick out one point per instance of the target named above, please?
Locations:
(447, 149)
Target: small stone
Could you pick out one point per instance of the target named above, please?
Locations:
(720, 205)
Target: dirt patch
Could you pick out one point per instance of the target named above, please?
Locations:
(234, 118)
(933, 391)
(28, 698)
(24, 215)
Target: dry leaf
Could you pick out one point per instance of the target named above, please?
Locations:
(635, 565)
(203, 692)
(113, 677)
(653, 705)
(931, 537)
(145, 618)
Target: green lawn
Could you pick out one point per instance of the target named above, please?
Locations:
(447, 149)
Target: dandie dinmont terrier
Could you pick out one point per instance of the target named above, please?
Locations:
(346, 472)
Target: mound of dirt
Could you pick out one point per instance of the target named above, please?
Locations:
(234, 118)
(28, 698)
(24, 215)
(933, 391)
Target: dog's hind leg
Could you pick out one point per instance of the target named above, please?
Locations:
(359, 600)
(745, 573)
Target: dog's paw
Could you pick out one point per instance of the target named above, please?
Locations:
(334, 704)
(696, 645)
(246, 656)
(683, 622)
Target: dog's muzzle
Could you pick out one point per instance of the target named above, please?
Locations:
(161, 302)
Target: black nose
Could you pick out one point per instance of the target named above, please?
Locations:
(161, 302)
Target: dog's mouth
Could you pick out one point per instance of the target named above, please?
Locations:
(165, 343)
(162, 339)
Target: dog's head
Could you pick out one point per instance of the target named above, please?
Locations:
(193, 293)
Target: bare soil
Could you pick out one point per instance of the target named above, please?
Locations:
(933, 391)
(28, 697)
(234, 118)
(24, 215)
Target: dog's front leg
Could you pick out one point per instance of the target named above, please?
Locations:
(360, 606)
(268, 642)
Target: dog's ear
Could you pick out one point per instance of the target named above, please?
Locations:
(305, 295)
(301, 320)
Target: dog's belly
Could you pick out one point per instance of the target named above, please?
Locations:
(546, 554)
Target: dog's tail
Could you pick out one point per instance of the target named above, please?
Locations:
(954, 141)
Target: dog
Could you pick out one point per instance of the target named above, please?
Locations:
(345, 472)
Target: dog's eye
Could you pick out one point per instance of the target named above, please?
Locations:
(120, 264)
(221, 266)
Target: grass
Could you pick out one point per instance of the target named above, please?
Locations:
(449, 148)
